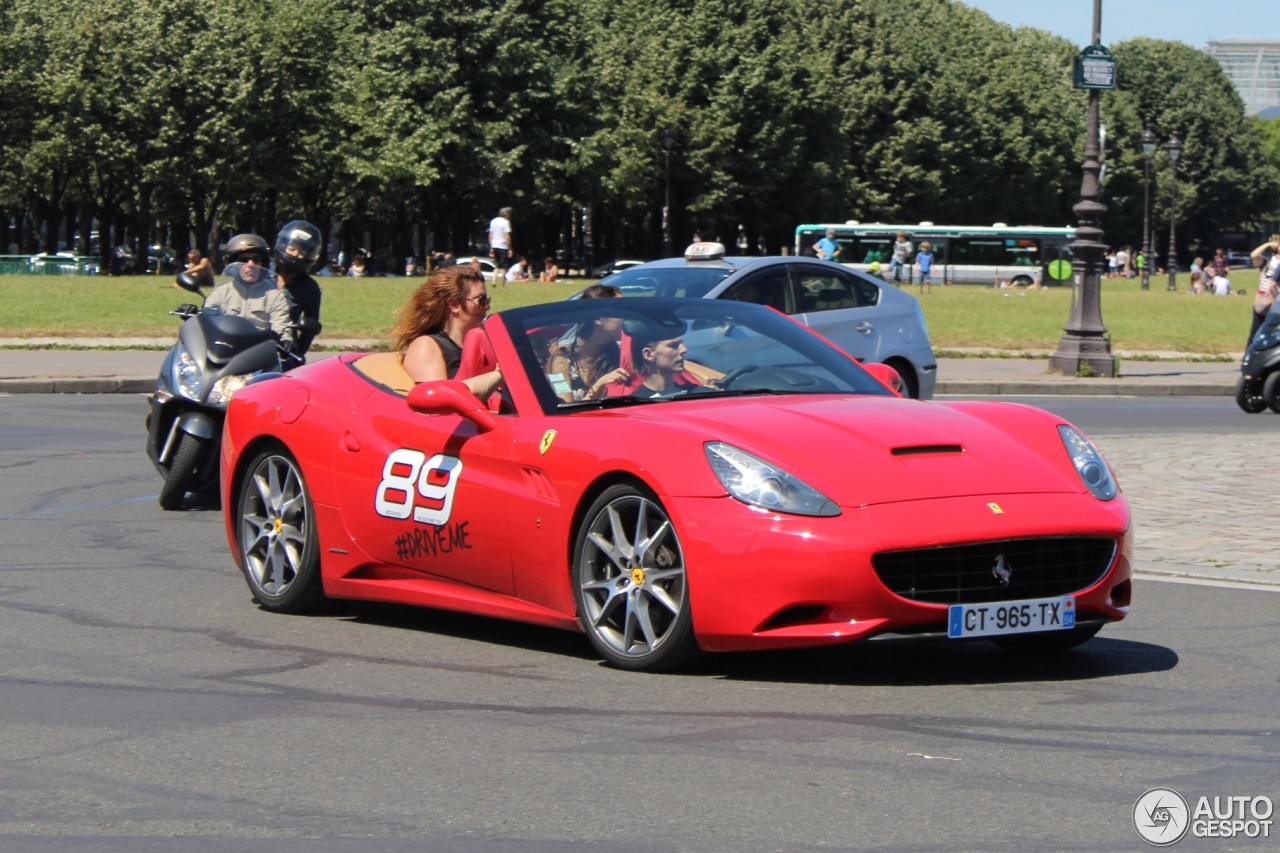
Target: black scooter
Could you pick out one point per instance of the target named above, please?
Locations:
(215, 356)
(1258, 387)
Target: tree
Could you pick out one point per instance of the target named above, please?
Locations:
(1224, 178)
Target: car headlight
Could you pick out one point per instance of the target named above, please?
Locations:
(1089, 464)
(754, 481)
(187, 376)
(226, 386)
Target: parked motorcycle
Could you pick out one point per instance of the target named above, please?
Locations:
(215, 355)
(1258, 387)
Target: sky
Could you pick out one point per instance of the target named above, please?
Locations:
(1196, 22)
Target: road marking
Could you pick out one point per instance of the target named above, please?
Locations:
(1220, 584)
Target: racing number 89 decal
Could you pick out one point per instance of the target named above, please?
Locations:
(413, 484)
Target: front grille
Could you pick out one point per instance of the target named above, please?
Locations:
(965, 574)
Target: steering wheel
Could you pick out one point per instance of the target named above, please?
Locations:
(727, 380)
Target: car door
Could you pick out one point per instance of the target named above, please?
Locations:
(840, 305)
(430, 493)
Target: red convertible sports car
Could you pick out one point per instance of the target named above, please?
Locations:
(739, 484)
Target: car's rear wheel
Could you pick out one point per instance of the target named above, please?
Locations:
(1049, 642)
(631, 585)
(1249, 395)
(276, 533)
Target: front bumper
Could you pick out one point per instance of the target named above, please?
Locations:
(760, 580)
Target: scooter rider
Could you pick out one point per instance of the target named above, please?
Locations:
(296, 251)
(251, 293)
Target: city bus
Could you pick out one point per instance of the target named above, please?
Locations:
(993, 255)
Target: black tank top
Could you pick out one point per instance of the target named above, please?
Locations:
(451, 351)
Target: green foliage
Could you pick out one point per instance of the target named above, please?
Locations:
(164, 118)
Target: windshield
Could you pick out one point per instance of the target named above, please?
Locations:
(694, 281)
(599, 353)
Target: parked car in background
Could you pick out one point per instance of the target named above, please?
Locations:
(159, 260)
(61, 263)
(613, 267)
(861, 314)
(486, 265)
(1239, 259)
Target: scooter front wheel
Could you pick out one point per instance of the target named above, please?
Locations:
(1271, 390)
(1249, 395)
(182, 471)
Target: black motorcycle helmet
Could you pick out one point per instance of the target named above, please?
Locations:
(297, 247)
(244, 246)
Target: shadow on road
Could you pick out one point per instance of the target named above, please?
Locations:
(902, 662)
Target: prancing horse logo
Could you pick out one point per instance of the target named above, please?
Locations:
(1003, 571)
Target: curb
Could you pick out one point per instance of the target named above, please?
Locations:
(1084, 388)
(77, 385)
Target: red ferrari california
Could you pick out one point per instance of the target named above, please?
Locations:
(670, 477)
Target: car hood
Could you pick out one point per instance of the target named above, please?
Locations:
(861, 451)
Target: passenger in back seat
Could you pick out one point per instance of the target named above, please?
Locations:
(433, 323)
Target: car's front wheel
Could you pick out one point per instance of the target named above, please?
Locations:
(276, 532)
(630, 583)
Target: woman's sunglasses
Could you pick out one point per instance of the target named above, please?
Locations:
(483, 300)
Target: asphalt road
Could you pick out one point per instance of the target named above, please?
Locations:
(147, 704)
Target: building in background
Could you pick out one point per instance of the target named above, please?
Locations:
(1254, 67)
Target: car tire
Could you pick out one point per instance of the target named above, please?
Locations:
(910, 382)
(1049, 642)
(276, 535)
(182, 471)
(1249, 395)
(630, 583)
(1271, 391)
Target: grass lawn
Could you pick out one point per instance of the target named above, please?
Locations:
(959, 317)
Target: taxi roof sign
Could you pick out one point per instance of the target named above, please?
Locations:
(705, 251)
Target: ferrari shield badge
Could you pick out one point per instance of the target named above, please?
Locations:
(547, 437)
(995, 509)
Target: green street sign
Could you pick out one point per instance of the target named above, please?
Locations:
(1095, 68)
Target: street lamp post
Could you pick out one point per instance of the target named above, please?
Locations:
(1148, 148)
(1174, 147)
(1084, 349)
(667, 137)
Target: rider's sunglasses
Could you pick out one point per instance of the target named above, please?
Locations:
(260, 260)
(482, 300)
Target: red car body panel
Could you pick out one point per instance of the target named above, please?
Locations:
(906, 474)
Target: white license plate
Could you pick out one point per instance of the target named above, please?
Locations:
(1011, 617)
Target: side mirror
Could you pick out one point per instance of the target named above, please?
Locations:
(451, 397)
(886, 375)
(189, 282)
(308, 324)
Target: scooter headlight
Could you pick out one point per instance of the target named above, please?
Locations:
(227, 386)
(187, 376)
(1267, 337)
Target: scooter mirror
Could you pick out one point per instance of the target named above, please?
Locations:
(189, 282)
